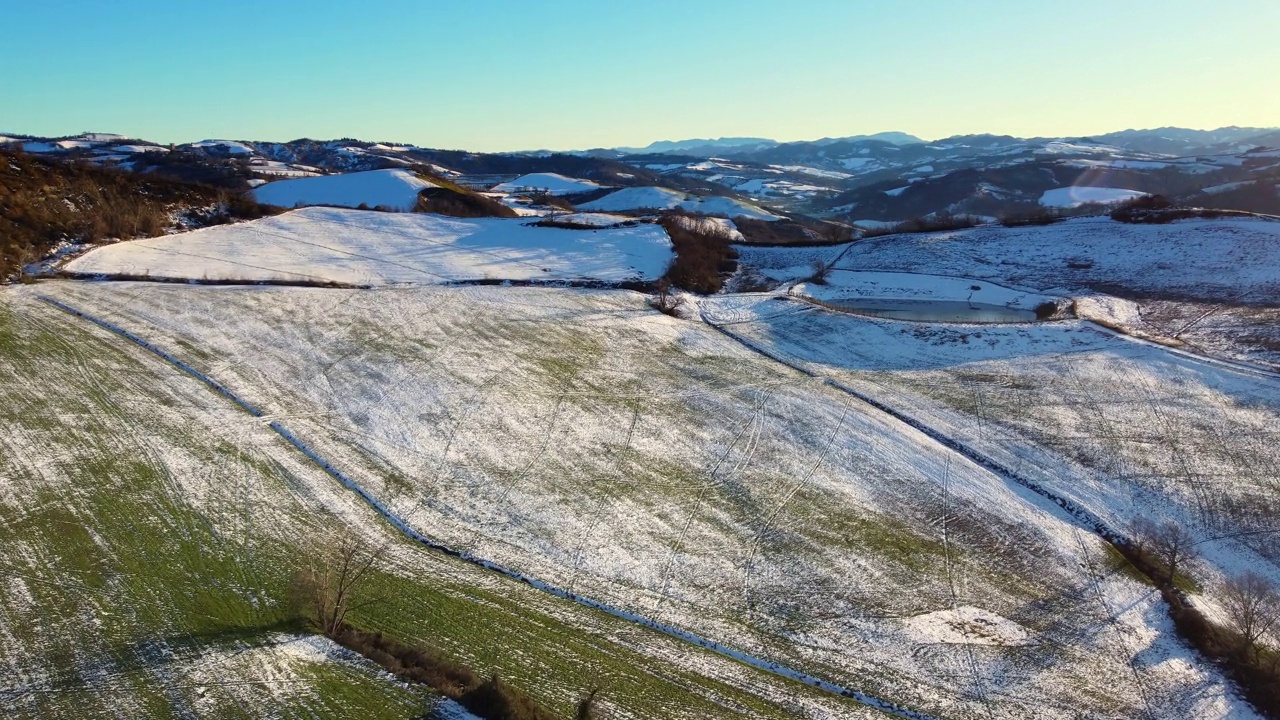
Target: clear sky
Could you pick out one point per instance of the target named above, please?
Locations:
(564, 74)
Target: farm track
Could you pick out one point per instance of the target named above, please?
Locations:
(773, 668)
(749, 567)
(1130, 658)
(979, 687)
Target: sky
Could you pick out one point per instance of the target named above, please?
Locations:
(570, 74)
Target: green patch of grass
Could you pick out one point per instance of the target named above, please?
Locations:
(878, 536)
(1116, 562)
(553, 661)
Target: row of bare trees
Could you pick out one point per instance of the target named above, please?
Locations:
(1251, 602)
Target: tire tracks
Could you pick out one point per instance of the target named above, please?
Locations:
(767, 666)
(752, 429)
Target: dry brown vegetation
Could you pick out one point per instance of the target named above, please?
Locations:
(331, 585)
(1033, 216)
(704, 254)
(937, 223)
(460, 203)
(44, 202)
(1157, 210)
(777, 232)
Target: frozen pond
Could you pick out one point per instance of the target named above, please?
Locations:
(936, 311)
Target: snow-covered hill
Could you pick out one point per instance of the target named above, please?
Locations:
(659, 198)
(395, 189)
(1075, 196)
(370, 248)
(550, 183)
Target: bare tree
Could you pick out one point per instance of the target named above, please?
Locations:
(820, 269)
(326, 586)
(1174, 546)
(587, 709)
(1253, 606)
(1168, 543)
(664, 300)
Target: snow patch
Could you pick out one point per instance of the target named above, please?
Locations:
(550, 183)
(373, 248)
(965, 625)
(659, 198)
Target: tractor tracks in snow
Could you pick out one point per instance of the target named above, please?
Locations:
(767, 666)
(765, 527)
(606, 498)
(751, 430)
(979, 688)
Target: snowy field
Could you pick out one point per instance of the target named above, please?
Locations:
(396, 189)
(550, 183)
(657, 198)
(1206, 285)
(670, 470)
(770, 474)
(849, 284)
(372, 248)
(1206, 259)
(1125, 429)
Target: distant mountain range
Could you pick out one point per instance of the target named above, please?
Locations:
(884, 177)
(708, 146)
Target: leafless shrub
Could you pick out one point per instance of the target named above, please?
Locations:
(664, 300)
(820, 270)
(327, 585)
(1253, 607)
(1169, 545)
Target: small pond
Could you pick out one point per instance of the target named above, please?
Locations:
(934, 311)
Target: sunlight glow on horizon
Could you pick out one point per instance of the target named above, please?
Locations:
(578, 75)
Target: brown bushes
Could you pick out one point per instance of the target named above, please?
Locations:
(935, 223)
(1033, 217)
(549, 200)
(493, 698)
(778, 232)
(45, 201)
(704, 256)
(460, 204)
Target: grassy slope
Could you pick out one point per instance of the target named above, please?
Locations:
(149, 528)
(654, 464)
(120, 591)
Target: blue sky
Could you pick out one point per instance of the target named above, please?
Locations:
(499, 75)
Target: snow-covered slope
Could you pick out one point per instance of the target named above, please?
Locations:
(590, 442)
(641, 198)
(1069, 197)
(397, 189)
(551, 183)
(1210, 259)
(231, 147)
(371, 248)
